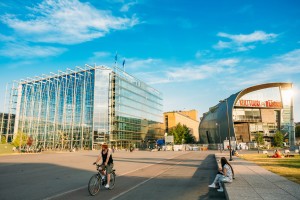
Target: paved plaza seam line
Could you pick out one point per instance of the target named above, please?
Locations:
(251, 169)
(82, 187)
(144, 181)
(61, 194)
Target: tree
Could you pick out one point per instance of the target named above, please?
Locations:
(297, 130)
(259, 138)
(20, 139)
(177, 132)
(278, 139)
(3, 139)
(188, 137)
(181, 133)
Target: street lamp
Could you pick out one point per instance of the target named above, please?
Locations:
(230, 153)
(220, 146)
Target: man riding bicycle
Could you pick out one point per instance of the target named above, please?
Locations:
(107, 162)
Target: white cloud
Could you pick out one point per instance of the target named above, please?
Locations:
(17, 50)
(244, 42)
(234, 72)
(198, 72)
(223, 45)
(278, 68)
(253, 37)
(101, 54)
(6, 38)
(188, 72)
(125, 7)
(200, 54)
(66, 22)
(134, 63)
(288, 63)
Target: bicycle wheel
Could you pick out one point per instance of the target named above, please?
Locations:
(112, 180)
(94, 185)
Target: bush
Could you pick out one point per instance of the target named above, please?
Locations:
(3, 139)
(20, 139)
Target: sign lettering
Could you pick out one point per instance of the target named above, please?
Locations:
(258, 103)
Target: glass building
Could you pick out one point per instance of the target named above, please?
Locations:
(85, 107)
(261, 109)
(6, 126)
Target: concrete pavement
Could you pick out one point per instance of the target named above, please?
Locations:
(256, 183)
(140, 175)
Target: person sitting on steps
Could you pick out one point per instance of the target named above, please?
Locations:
(225, 174)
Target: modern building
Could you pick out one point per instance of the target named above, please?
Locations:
(188, 118)
(6, 126)
(263, 108)
(85, 107)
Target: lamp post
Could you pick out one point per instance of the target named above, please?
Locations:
(220, 146)
(230, 153)
(292, 124)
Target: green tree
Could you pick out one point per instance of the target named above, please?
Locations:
(188, 137)
(278, 139)
(20, 139)
(177, 132)
(3, 139)
(297, 131)
(259, 138)
(181, 134)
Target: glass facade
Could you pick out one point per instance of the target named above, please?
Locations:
(6, 127)
(84, 108)
(137, 109)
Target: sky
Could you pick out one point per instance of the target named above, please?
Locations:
(194, 52)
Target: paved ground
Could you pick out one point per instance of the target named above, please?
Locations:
(140, 175)
(256, 183)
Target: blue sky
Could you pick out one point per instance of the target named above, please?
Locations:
(195, 52)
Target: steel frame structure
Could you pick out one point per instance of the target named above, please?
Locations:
(81, 108)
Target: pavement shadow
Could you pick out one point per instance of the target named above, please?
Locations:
(39, 180)
(206, 172)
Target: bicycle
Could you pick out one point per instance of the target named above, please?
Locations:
(98, 180)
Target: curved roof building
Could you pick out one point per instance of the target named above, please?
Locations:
(263, 108)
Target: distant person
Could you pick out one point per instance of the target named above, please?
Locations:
(277, 154)
(236, 153)
(29, 143)
(225, 175)
(131, 149)
(107, 162)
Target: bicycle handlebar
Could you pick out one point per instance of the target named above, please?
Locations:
(97, 166)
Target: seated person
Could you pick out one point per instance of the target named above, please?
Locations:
(225, 174)
(277, 154)
(236, 153)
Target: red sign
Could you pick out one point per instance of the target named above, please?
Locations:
(257, 103)
(250, 103)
